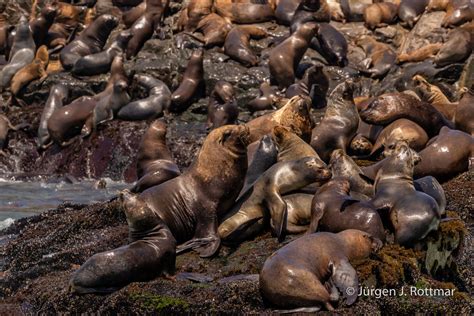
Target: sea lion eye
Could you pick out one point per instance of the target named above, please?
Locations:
(226, 135)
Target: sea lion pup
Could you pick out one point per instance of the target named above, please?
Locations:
(244, 11)
(342, 166)
(334, 210)
(456, 49)
(237, 44)
(265, 101)
(458, 12)
(420, 54)
(5, 127)
(339, 124)
(380, 14)
(40, 26)
(33, 71)
(390, 107)
(158, 100)
(214, 29)
(464, 116)
(299, 212)
(285, 57)
(155, 163)
(353, 10)
(331, 44)
(410, 11)
(380, 57)
(315, 85)
(21, 54)
(150, 253)
(58, 95)
(99, 63)
(196, 10)
(295, 115)
(90, 41)
(401, 130)
(265, 204)
(222, 108)
(291, 146)
(307, 273)
(446, 155)
(192, 84)
(433, 95)
(413, 214)
(365, 137)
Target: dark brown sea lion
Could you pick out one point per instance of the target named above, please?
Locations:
(158, 101)
(155, 163)
(265, 101)
(90, 41)
(21, 54)
(5, 127)
(285, 57)
(446, 155)
(295, 115)
(365, 137)
(129, 17)
(458, 12)
(437, 5)
(299, 212)
(222, 108)
(354, 9)
(33, 71)
(310, 11)
(334, 210)
(413, 214)
(99, 63)
(40, 26)
(58, 35)
(215, 30)
(291, 146)
(332, 45)
(191, 85)
(57, 97)
(285, 10)
(237, 44)
(336, 10)
(456, 49)
(380, 57)
(315, 85)
(389, 107)
(307, 273)
(380, 14)
(265, 204)
(464, 116)
(339, 124)
(433, 188)
(151, 253)
(5, 30)
(244, 11)
(421, 54)
(195, 11)
(410, 11)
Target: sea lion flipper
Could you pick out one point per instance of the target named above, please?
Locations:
(206, 247)
(279, 215)
(345, 278)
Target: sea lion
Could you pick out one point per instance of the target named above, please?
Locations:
(315, 85)
(285, 10)
(310, 11)
(285, 57)
(380, 57)
(339, 124)
(413, 214)
(456, 49)
(5, 127)
(433, 95)
(40, 26)
(266, 202)
(458, 12)
(295, 115)
(90, 41)
(336, 10)
(244, 11)
(401, 130)
(410, 11)
(446, 155)
(365, 137)
(158, 100)
(155, 163)
(464, 116)
(237, 44)
(222, 108)
(291, 146)
(193, 14)
(433, 188)
(265, 101)
(299, 212)
(150, 253)
(389, 107)
(308, 272)
(33, 71)
(354, 9)
(21, 54)
(380, 14)
(215, 30)
(191, 85)
(332, 45)
(129, 17)
(99, 63)
(421, 54)
(437, 5)
(334, 210)
(58, 95)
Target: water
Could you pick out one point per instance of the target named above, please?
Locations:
(21, 199)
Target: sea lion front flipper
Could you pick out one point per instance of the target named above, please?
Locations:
(344, 276)
(206, 247)
(279, 215)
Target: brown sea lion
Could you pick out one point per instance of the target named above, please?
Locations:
(244, 11)
(265, 204)
(195, 11)
(5, 127)
(464, 116)
(334, 210)
(315, 85)
(354, 9)
(456, 49)
(437, 5)
(265, 101)
(413, 214)
(129, 17)
(310, 11)
(285, 10)
(33, 71)
(410, 11)
(458, 12)
(339, 124)
(68, 14)
(222, 108)
(365, 137)
(58, 35)
(336, 10)
(58, 95)
(299, 212)
(285, 57)
(191, 85)
(5, 30)
(291, 146)
(380, 14)
(40, 25)
(90, 41)
(295, 115)
(331, 44)
(307, 273)
(433, 95)
(237, 44)
(447, 155)
(421, 54)
(389, 107)
(155, 163)
(215, 30)
(380, 57)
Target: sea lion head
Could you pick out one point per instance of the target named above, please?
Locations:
(224, 91)
(137, 211)
(359, 244)
(379, 110)
(109, 21)
(124, 37)
(361, 145)
(49, 12)
(158, 127)
(401, 160)
(403, 152)
(341, 164)
(233, 139)
(295, 115)
(320, 170)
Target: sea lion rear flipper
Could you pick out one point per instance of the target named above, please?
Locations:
(344, 276)
(206, 247)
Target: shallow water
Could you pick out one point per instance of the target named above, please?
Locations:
(21, 199)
